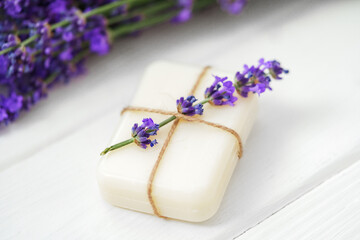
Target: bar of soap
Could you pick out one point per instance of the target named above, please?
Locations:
(198, 163)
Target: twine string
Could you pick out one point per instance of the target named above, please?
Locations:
(189, 119)
(179, 117)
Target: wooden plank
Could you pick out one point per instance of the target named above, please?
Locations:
(331, 211)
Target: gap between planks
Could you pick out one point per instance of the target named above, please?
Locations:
(310, 190)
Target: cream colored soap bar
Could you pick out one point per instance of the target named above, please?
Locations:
(198, 163)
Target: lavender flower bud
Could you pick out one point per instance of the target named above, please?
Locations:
(185, 106)
(142, 133)
(97, 35)
(185, 13)
(221, 92)
(257, 79)
(275, 69)
(232, 6)
(10, 107)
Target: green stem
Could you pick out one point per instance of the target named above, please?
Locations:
(106, 7)
(140, 3)
(99, 10)
(9, 49)
(143, 24)
(80, 55)
(145, 11)
(166, 121)
(118, 145)
(206, 100)
(20, 31)
(51, 78)
(198, 5)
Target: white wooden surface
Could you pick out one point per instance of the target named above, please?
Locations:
(301, 162)
(330, 211)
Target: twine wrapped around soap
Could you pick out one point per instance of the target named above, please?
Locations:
(179, 117)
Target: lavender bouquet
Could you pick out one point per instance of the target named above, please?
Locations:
(46, 42)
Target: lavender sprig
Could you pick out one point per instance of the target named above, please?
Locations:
(257, 79)
(221, 92)
(36, 54)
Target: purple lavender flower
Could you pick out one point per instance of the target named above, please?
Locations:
(23, 9)
(97, 35)
(221, 92)
(43, 29)
(232, 6)
(66, 55)
(4, 63)
(13, 8)
(19, 62)
(44, 43)
(13, 104)
(142, 133)
(11, 41)
(275, 69)
(98, 40)
(257, 79)
(58, 7)
(185, 106)
(185, 13)
(3, 115)
(10, 107)
(29, 71)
